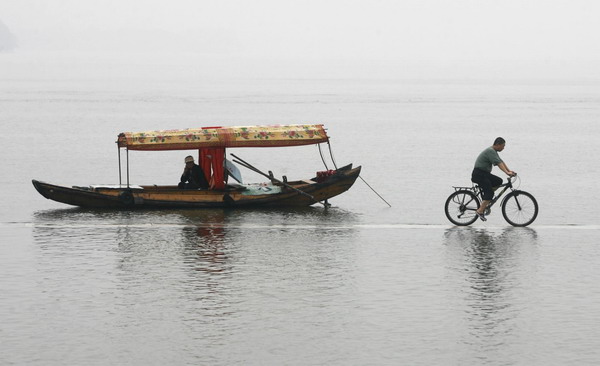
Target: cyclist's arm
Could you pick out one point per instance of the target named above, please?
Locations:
(505, 169)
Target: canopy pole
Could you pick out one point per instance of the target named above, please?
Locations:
(322, 157)
(331, 153)
(119, 150)
(127, 167)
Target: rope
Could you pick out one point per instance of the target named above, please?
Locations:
(368, 185)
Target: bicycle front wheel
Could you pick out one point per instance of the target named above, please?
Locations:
(519, 208)
(461, 206)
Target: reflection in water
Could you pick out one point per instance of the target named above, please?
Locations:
(197, 279)
(205, 243)
(492, 272)
(198, 262)
(290, 216)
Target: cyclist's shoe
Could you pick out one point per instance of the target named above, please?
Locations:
(481, 216)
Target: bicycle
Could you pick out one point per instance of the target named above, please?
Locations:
(519, 208)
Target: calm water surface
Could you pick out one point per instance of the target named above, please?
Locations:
(359, 283)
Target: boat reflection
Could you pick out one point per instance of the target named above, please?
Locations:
(203, 238)
(205, 241)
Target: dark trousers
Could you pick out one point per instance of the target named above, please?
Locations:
(487, 181)
(189, 185)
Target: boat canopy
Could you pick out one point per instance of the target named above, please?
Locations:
(223, 137)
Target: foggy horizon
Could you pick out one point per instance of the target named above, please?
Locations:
(384, 39)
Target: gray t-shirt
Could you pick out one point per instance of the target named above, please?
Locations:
(487, 158)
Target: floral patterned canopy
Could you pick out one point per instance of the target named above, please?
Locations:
(211, 137)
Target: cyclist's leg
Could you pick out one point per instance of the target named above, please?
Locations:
(485, 183)
(484, 205)
(496, 181)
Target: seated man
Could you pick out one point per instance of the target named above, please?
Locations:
(482, 173)
(192, 177)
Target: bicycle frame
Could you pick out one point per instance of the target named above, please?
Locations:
(479, 193)
(506, 186)
(519, 208)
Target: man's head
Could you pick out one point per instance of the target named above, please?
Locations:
(189, 160)
(499, 143)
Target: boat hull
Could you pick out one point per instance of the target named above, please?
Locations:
(157, 197)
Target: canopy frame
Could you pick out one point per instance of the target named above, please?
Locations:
(222, 137)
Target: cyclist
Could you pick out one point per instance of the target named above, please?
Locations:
(482, 173)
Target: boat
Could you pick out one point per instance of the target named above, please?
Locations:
(211, 144)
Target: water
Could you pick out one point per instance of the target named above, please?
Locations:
(360, 283)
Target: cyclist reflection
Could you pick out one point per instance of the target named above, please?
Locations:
(490, 273)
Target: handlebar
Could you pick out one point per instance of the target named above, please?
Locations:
(512, 179)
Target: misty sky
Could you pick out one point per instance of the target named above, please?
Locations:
(344, 33)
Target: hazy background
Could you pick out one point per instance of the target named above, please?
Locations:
(307, 39)
(410, 90)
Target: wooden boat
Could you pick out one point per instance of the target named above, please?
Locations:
(211, 144)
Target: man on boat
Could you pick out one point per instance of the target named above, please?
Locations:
(193, 176)
(482, 173)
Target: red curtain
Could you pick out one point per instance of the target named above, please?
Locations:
(212, 162)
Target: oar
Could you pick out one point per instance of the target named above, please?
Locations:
(273, 179)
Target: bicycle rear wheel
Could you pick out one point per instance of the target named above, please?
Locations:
(519, 208)
(461, 206)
